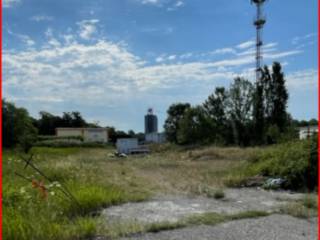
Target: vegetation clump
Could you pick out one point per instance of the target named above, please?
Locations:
(219, 194)
(295, 162)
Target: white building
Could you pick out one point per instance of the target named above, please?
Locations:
(306, 132)
(88, 134)
(155, 137)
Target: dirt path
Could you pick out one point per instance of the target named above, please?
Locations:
(274, 227)
(174, 208)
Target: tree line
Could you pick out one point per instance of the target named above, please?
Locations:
(19, 128)
(245, 114)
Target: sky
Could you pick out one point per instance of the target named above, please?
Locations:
(111, 60)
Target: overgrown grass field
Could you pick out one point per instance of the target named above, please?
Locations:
(97, 180)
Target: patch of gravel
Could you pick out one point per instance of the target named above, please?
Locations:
(274, 227)
(174, 208)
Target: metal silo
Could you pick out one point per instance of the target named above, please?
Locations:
(150, 122)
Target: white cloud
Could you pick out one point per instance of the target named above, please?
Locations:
(224, 51)
(39, 18)
(186, 55)
(303, 80)
(105, 72)
(247, 44)
(160, 59)
(52, 41)
(303, 39)
(154, 2)
(171, 5)
(172, 57)
(28, 41)
(175, 6)
(179, 4)
(88, 28)
(270, 45)
(281, 54)
(10, 3)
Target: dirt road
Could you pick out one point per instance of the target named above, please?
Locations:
(175, 208)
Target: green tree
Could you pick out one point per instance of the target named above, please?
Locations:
(258, 113)
(215, 108)
(194, 127)
(279, 115)
(17, 127)
(77, 120)
(48, 123)
(276, 97)
(175, 114)
(240, 110)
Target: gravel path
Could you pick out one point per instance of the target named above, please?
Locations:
(274, 227)
(174, 208)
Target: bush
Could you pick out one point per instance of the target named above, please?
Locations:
(296, 162)
(219, 194)
(69, 143)
(49, 137)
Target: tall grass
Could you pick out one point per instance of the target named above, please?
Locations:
(295, 161)
(29, 215)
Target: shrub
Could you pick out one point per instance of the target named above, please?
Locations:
(51, 137)
(69, 143)
(296, 162)
(219, 194)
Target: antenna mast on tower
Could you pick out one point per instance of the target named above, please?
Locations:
(259, 23)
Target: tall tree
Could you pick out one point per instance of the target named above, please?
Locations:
(240, 109)
(258, 113)
(175, 114)
(17, 126)
(215, 108)
(279, 115)
(77, 120)
(48, 123)
(194, 127)
(268, 93)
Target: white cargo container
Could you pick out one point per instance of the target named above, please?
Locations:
(126, 145)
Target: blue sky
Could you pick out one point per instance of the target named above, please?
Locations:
(113, 59)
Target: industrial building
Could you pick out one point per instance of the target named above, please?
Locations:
(155, 137)
(88, 134)
(151, 128)
(150, 122)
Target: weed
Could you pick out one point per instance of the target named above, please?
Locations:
(310, 202)
(219, 194)
(248, 214)
(164, 226)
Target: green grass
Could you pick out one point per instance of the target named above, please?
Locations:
(295, 161)
(164, 226)
(210, 218)
(98, 180)
(304, 208)
(215, 218)
(248, 214)
(26, 215)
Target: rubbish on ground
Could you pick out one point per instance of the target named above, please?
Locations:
(274, 183)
